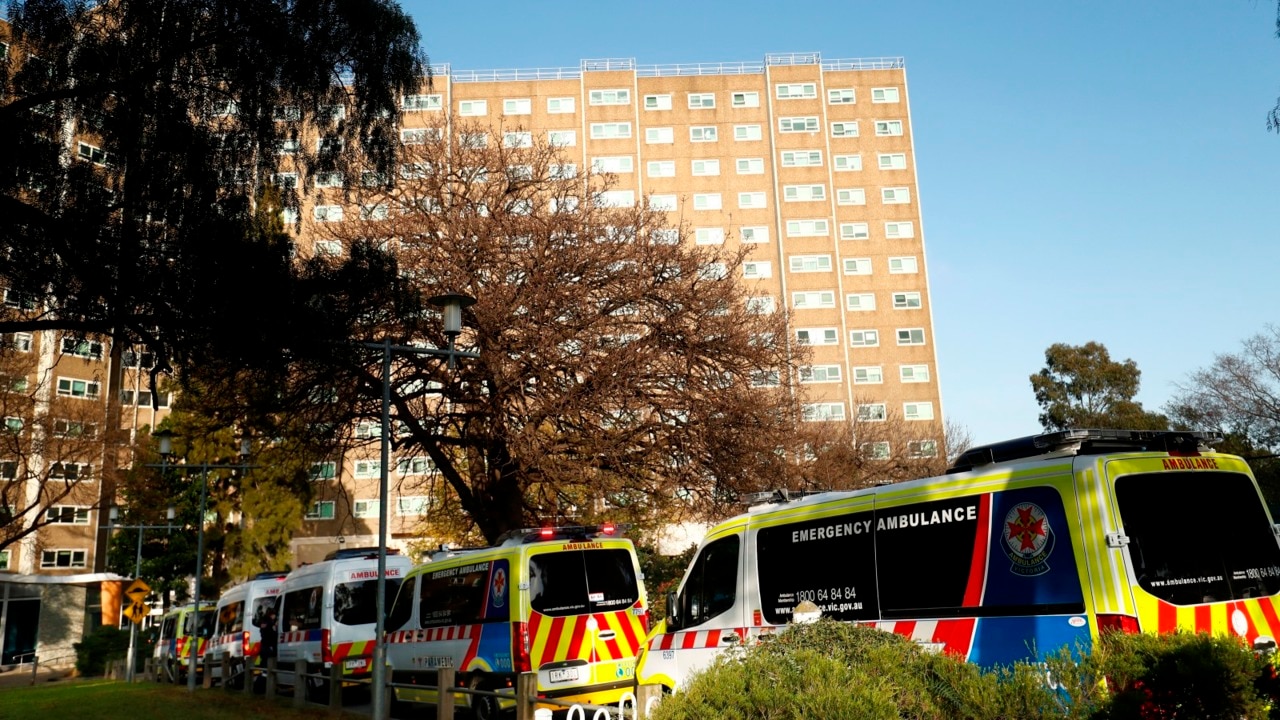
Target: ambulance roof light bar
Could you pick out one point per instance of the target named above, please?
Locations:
(565, 532)
(358, 552)
(1087, 441)
(781, 495)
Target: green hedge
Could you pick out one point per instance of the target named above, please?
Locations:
(101, 645)
(838, 670)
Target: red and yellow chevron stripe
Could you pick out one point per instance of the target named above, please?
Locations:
(618, 635)
(1248, 619)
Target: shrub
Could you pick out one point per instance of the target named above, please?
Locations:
(102, 644)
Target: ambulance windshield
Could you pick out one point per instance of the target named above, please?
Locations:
(356, 603)
(576, 582)
(1198, 537)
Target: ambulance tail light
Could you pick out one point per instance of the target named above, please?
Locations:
(608, 529)
(326, 652)
(1123, 623)
(245, 644)
(520, 647)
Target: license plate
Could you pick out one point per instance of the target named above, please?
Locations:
(563, 675)
(356, 664)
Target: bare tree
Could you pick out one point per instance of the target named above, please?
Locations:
(1238, 394)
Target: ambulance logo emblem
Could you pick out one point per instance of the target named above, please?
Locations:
(1028, 539)
(499, 586)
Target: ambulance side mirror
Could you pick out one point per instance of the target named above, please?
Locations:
(673, 618)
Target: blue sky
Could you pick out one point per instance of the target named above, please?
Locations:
(1088, 170)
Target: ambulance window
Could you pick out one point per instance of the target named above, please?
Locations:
(167, 627)
(828, 561)
(402, 608)
(574, 582)
(207, 620)
(265, 611)
(231, 618)
(457, 596)
(356, 603)
(302, 609)
(712, 585)
(1197, 537)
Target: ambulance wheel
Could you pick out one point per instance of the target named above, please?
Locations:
(484, 707)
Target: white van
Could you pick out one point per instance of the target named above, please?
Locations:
(180, 632)
(1023, 548)
(329, 612)
(243, 612)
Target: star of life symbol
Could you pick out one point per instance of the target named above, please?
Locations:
(499, 586)
(1028, 539)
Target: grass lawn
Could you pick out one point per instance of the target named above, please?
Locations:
(110, 700)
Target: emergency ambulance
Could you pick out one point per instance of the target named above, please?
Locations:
(1022, 548)
(242, 613)
(328, 614)
(567, 603)
(179, 633)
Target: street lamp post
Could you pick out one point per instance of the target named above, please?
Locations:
(166, 451)
(451, 309)
(113, 514)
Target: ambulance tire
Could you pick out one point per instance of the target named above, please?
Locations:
(484, 707)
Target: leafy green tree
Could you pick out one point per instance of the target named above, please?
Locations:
(1080, 386)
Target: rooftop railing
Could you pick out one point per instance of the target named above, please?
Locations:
(666, 70)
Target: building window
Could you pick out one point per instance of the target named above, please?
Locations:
(868, 375)
(66, 515)
(822, 412)
(609, 97)
(857, 266)
(517, 140)
(415, 466)
(913, 373)
(331, 113)
(562, 138)
(473, 108)
(762, 305)
(808, 228)
(744, 99)
(4, 560)
(614, 164)
(817, 336)
(899, 229)
(844, 129)
(757, 269)
(662, 168)
(706, 201)
(517, 106)
(616, 198)
(290, 146)
(888, 128)
(746, 132)
(327, 213)
(320, 510)
(847, 163)
(810, 263)
(872, 412)
(854, 231)
(709, 236)
(702, 101)
(702, 133)
(841, 96)
(802, 158)
(903, 265)
(910, 336)
(851, 196)
(919, 449)
(864, 338)
(667, 203)
(906, 301)
(15, 299)
(81, 348)
(93, 154)
(796, 91)
(610, 130)
(860, 302)
(74, 428)
(63, 558)
(421, 102)
(286, 113)
(755, 234)
(657, 102)
(811, 299)
(750, 166)
(143, 398)
(412, 505)
(366, 508)
(917, 411)
(798, 124)
(21, 341)
(560, 105)
(706, 167)
(895, 195)
(71, 387)
(875, 450)
(804, 193)
(751, 200)
(765, 378)
(563, 171)
(323, 471)
(884, 95)
(330, 179)
(329, 144)
(820, 374)
(659, 136)
(893, 161)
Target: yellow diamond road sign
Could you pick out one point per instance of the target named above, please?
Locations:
(137, 612)
(137, 591)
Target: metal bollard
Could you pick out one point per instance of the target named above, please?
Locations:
(271, 678)
(335, 686)
(446, 678)
(148, 670)
(248, 676)
(206, 674)
(526, 695)
(300, 683)
(35, 668)
(225, 671)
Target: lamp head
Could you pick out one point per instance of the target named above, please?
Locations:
(165, 438)
(113, 514)
(451, 306)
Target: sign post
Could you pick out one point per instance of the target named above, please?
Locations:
(136, 612)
